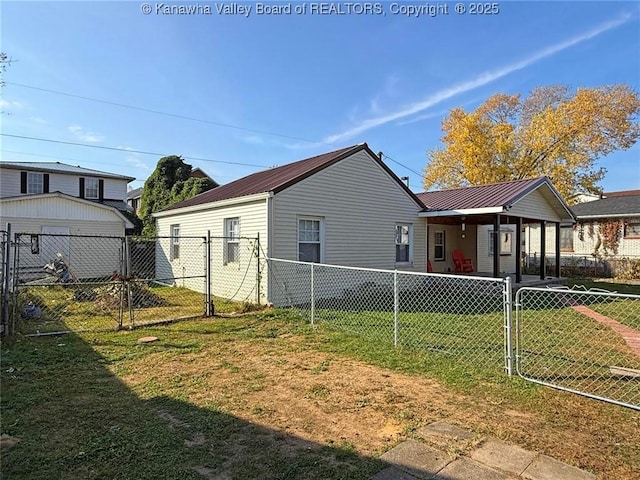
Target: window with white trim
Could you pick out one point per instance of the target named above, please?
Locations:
(175, 242)
(310, 239)
(438, 246)
(632, 229)
(506, 237)
(35, 182)
(91, 188)
(232, 240)
(403, 243)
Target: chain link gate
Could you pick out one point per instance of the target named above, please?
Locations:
(585, 342)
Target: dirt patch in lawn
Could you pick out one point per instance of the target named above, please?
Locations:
(332, 400)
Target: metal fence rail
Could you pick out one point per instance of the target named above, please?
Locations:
(581, 341)
(456, 316)
(63, 283)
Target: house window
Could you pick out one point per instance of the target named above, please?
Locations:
(35, 182)
(438, 246)
(566, 238)
(403, 243)
(310, 240)
(506, 237)
(232, 240)
(91, 187)
(632, 230)
(175, 242)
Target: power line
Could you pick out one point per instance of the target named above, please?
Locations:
(127, 150)
(167, 114)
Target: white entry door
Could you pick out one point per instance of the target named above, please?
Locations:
(50, 246)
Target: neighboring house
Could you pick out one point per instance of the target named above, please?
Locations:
(615, 212)
(58, 199)
(348, 208)
(134, 196)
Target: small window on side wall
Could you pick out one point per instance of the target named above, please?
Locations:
(506, 237)
(175, 242)
(403, 243)
(232, 240)
(310, 239)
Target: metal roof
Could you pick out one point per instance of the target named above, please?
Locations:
(63, 168)
(277, 179)
(616, 206)
(501, 194)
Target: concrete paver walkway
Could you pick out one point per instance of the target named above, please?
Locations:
(448, 452)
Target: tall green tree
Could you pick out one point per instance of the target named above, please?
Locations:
(553, 132)
(169, 183)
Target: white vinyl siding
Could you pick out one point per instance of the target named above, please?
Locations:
(484, 260)
(536, 205)
(88, 257)
(114, 189)
(360, 205)
(228, 280)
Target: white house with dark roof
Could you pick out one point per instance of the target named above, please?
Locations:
(347, 207)
(52, 198)
(583, 242)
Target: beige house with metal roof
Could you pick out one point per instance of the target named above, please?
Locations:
(347, 207)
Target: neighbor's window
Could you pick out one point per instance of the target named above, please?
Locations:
(310, 240)
(232, 240)
(175, 242)
(91, 187)
(632, 230)
(403, 243)
(566, 238)
(506, 237)
(35, 182)
(438, 246)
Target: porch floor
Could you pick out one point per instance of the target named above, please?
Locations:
(527, 280)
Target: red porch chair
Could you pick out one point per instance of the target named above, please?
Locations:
(462, 265)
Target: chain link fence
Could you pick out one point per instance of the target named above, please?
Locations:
(65, 283)
(5, 246)
(585, 342)
(460, 317)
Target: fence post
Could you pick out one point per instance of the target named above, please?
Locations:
(207, 276)
(258, 272)
(6, 252)
(395, 308)
(508, 307)
(313, 299)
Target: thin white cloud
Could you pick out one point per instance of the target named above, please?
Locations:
(81, 134)
(135, 159)
(477, 82)
(5, 104)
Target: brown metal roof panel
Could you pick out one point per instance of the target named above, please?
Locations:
(479, 196)
(273, 179)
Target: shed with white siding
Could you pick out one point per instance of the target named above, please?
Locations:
(58, 220)
(344, 207)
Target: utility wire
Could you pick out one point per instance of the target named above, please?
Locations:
(117, 149)
(166, 114)
(186, 117)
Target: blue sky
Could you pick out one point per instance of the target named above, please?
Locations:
(288, 86)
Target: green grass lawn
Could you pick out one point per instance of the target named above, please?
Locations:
(97, 307)
(217, 398)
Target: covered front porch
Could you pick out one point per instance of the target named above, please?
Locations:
(479, 230)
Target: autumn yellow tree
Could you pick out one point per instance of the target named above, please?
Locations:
(553, 132)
